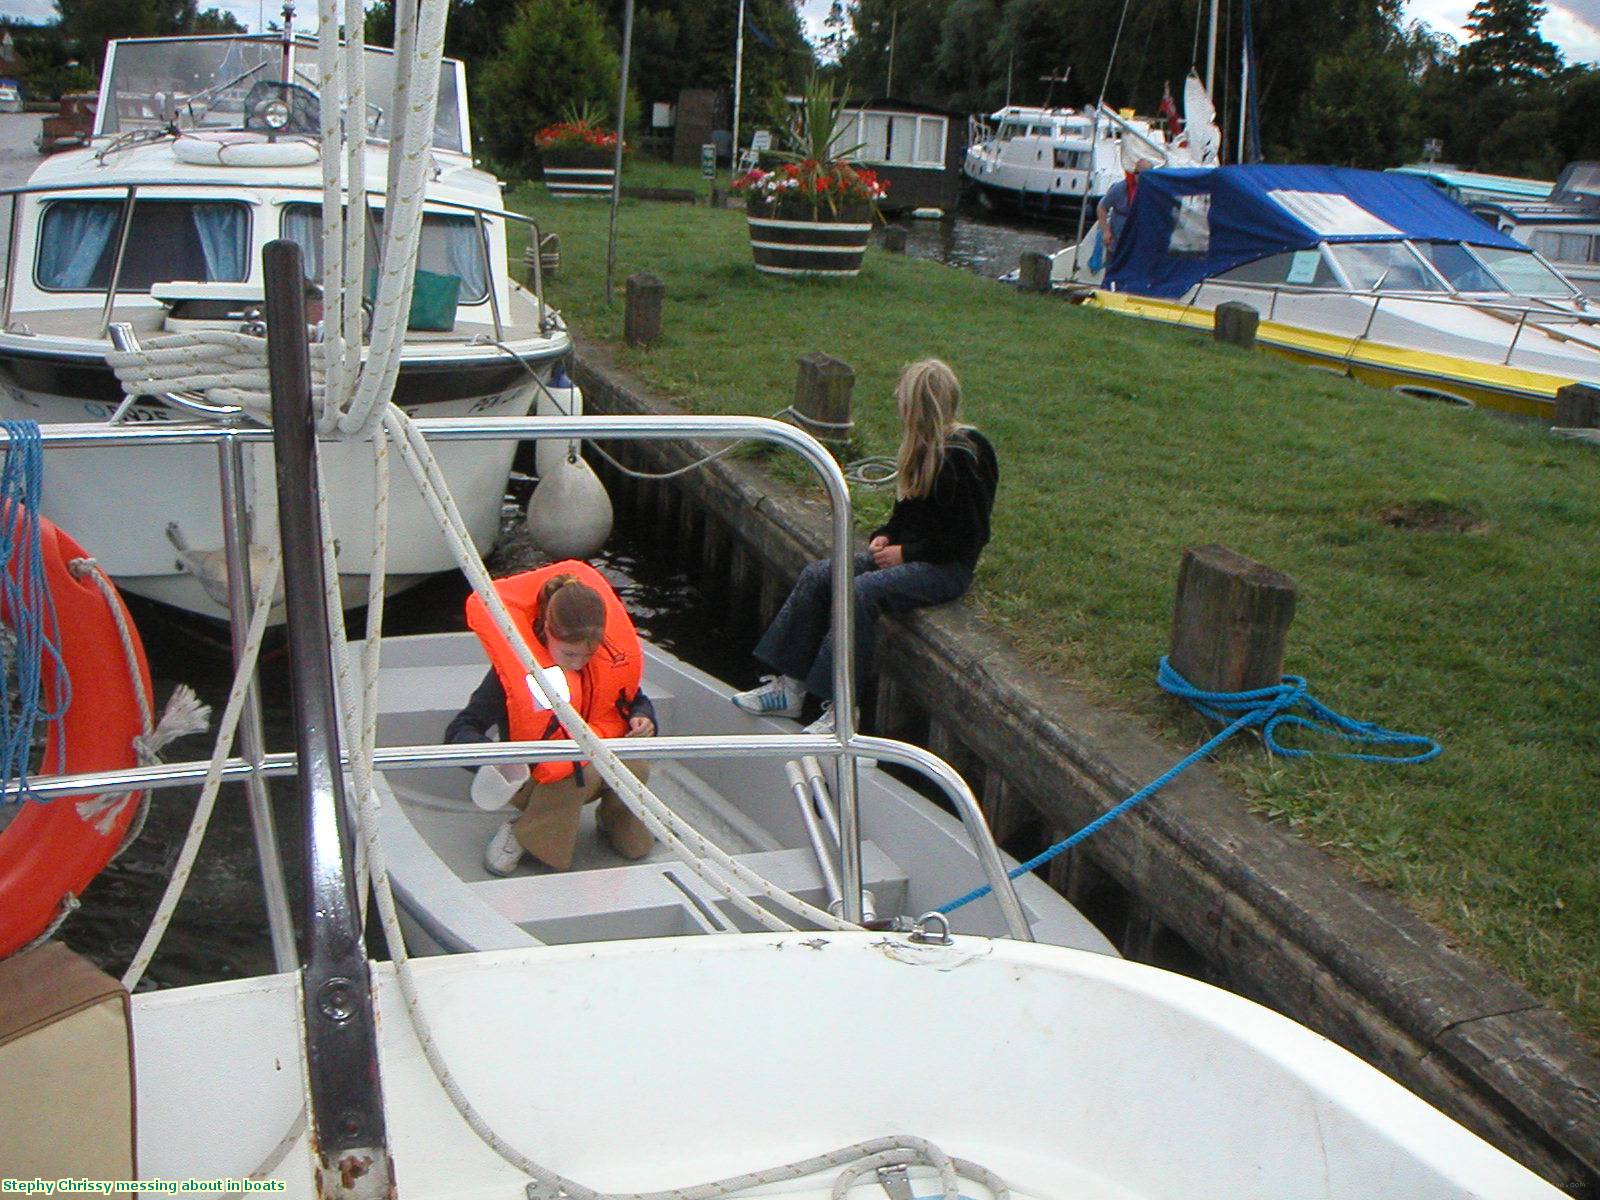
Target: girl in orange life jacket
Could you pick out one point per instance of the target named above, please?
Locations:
(924, 554)
(571, 620)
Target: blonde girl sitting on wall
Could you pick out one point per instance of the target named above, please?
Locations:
(924, 554)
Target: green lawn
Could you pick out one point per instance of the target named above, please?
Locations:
(1121, 443)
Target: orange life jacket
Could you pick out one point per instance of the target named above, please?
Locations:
(601, 692)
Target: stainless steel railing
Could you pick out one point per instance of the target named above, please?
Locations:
(846, 745)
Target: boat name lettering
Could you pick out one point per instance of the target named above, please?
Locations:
(135, 412)
(485, 403)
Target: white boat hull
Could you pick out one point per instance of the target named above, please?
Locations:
(132, 509)
(650, 1064)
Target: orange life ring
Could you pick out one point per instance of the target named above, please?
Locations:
(52, 849)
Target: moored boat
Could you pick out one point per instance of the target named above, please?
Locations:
(204, 150)
(1372, 274)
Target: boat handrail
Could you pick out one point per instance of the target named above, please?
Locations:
(1533, 312)
(845, 745)
(130, 189)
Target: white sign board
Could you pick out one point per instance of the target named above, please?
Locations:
(761, 140)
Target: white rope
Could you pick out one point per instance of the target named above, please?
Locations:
(688, 843)
(331, 96)
(184, 714)
(403, 223)
(213, 782)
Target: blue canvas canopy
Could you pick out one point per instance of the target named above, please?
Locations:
(1194, 222)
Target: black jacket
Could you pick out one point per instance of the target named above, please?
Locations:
(951, 523)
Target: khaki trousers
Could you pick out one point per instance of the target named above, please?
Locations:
(548, 826)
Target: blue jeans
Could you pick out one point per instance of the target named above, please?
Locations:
(799, 643)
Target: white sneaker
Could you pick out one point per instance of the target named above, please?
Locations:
(778, 696)
(823, 724)
(504, 852)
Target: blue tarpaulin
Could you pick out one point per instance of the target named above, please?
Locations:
(1190, 223)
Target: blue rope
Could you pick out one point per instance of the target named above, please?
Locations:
(27, 599)
(1268, 707)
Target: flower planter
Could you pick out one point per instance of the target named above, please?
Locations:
(578, 171)
(785, 242)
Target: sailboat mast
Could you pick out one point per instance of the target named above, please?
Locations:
(1211, 56)
(738, 91)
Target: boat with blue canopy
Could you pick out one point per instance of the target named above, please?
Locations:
(1374, 274)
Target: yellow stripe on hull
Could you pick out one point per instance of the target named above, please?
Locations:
(1377, 364)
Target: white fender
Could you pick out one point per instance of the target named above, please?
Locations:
(556, 401)
(236, 148)
(569, 513)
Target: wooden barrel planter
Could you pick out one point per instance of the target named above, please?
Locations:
(785, 245)
(578, 172)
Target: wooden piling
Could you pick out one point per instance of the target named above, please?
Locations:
(822, 398)
(641, 321)
(1577, 407)
(1235, 324)
(894, 239)
(1034, 271)
(1231, 620)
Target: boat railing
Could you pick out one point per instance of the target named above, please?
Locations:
(846, 746)
(1518, 316)
(131, 189)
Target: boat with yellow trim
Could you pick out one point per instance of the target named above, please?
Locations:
(1369, 274)
(1423, 373)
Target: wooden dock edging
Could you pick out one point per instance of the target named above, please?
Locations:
(1202, 883)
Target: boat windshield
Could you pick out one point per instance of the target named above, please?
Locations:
(202, 83)
(1383, 267)
(1521, 272)
(1465, 272)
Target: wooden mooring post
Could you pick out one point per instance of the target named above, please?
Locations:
(1033, 272)
(1235, 324)
(822, 396)
(643, 302)
(1577, 407)
(1231, 620)
(894, 239)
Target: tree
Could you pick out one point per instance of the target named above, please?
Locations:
(90, 24)
(1506, 42)
(555, 54)
(1360, 109)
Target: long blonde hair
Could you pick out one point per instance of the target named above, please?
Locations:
(928, 396)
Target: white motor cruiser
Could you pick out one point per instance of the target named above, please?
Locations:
(204, 150)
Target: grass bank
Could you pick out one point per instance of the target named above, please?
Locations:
(1120, 444)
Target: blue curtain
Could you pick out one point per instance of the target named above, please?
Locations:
(222, 229)
(73, 239)
(463, 250)
(302, 224)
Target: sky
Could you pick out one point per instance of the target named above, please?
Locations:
(1573, 25)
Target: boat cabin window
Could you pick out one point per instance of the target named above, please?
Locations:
(1456, 263)
(1567, 247)
(1382, 267)
(1072, 160)
(1521, 273)
(1297, 268)
(206, 241)
(450, 246)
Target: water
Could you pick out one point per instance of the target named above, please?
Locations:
(982, 242)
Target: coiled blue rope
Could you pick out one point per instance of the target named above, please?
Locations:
(32, 609)
(1270, 708)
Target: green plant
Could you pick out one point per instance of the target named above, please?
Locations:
(814, 173)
